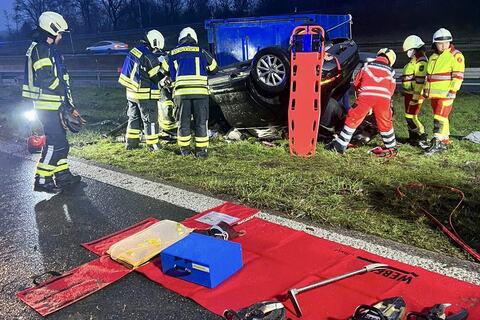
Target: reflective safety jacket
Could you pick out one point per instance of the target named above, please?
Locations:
(413, 78)
(46, 80)
(445, 73)
(375, 80)
(141, 74)
(188, 66)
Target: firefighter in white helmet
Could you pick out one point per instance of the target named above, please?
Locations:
(47, 83)
(413, 81)
(445, 73)
(141, 76)
(188, 66)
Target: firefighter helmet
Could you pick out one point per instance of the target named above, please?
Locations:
(389, 53)
(188, 32)
(412, 42)
(52, 22)
(155, 39)
(442, 35)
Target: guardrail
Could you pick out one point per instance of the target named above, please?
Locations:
(108, 78)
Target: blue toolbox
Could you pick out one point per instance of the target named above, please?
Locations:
(201, 259)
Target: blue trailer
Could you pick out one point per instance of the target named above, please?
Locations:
(239, 39)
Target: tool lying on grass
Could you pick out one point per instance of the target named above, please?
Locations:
(438, 312)
(292, 293)
(452, 234)
(388, 309)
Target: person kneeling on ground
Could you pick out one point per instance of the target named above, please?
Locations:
(374, 86)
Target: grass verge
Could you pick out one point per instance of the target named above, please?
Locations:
(354, 191)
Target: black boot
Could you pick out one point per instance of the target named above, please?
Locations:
(335, 146)
(48, 187)
(185, 151)
(201, 152)
(417, 140)
(65, 179)
(436, 146)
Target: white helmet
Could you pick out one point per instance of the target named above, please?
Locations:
(188, 32)
(442, 35)
(52, 22)
(155, 39)
(389, 53)
(412, 42)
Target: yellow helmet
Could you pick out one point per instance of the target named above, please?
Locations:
(52, 22)
(412, 42)
(155, 39)
(389, 53)
(442, 35)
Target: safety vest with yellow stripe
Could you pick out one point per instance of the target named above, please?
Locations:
(46, 80)
(187, 66)
(140, 74)
(413, 77)
(445, 73)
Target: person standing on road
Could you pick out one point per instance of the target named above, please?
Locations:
(188, 66)
(413, 81)
(47, 83)
(374, 86)
(141, 76)
(445, 73)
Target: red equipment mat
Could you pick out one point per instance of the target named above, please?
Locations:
(59, 292)
(306, 64)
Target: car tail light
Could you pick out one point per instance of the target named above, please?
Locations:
(118, 46)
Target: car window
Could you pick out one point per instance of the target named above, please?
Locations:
(101, 43)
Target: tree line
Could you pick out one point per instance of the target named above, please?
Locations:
(96, 16)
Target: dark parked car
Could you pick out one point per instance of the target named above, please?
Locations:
(255, 93)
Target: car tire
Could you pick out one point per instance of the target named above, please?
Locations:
(271, 69)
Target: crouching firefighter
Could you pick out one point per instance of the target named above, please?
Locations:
(413, 81)
(374, 86)
(445, 73)
(140, 76)
(188, 66)
(47, 83)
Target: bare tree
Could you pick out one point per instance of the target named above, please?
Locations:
(113, 8)
(8, 22)
(30, 10)
(86, 7)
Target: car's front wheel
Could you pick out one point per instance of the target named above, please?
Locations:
(271, 69)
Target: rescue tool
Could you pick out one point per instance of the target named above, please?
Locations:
(388, 309)
(438, 312)
(292, 293)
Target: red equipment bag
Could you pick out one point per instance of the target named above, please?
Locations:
(306, 63)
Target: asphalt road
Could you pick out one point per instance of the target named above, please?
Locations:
(40, 232)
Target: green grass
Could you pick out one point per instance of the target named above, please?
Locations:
(353, 191)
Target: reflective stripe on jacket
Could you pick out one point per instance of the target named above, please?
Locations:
(376, 80)
(188, 67)
(445, 74)
(413, 78)
(140, 74)
(46, 80)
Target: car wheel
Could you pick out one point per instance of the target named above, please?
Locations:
(271, 69)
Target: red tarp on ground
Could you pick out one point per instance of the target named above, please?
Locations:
(277, 258)
(59, 292)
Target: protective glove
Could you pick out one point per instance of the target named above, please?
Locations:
(70, 118)
(451, 94)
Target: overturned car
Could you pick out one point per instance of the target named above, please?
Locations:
(251, 90)
(255, 93)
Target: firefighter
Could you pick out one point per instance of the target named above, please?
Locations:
(166, 109)
(445, 72)
(374, 86)
(141, 76)
(47, 83)
(188, 66)
(413, 81)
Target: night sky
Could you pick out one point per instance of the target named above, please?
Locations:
(4, 5)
